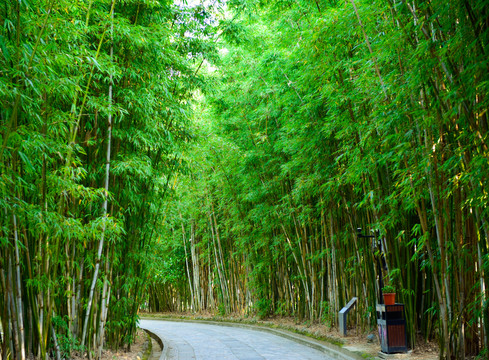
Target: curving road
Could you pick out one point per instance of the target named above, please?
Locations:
(189, 340)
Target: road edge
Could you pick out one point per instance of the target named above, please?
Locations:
(332, 350)
(161, 342)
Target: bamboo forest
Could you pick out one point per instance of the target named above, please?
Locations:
(249, 157)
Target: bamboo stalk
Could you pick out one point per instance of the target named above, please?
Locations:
(219, 265)
(195, 268)
(56, 345)
(12, 310)
(193, 300)
(106, 189)
(103, 316)
(19, 294)
(4, 312)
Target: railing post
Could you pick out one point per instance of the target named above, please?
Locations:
(343, 313)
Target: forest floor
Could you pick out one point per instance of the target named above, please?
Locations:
(138, 348)
(355, 341)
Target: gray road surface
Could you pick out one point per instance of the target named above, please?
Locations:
(187, 340)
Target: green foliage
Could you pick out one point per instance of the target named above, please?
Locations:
(247, 145)
(263, 307)
(66, 69)
(482, 354)
(328, 316)
(66, 341)
(328, 116)
(388, 289)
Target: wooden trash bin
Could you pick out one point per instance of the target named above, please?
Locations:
(391, 323)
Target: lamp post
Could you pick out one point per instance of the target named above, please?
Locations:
(375, 244)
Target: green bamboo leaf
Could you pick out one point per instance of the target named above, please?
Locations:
(4, 49)
(26, 161)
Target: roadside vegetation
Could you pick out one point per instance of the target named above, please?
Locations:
(325, 117)
(95, 103)
(220, 157)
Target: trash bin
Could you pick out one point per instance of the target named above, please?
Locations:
(391, 323)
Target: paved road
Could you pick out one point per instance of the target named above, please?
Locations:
(186, 340)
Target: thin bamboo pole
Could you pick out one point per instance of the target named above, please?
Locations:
(106, 190)
(20, 310)
(195, 268)
(192, 298)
